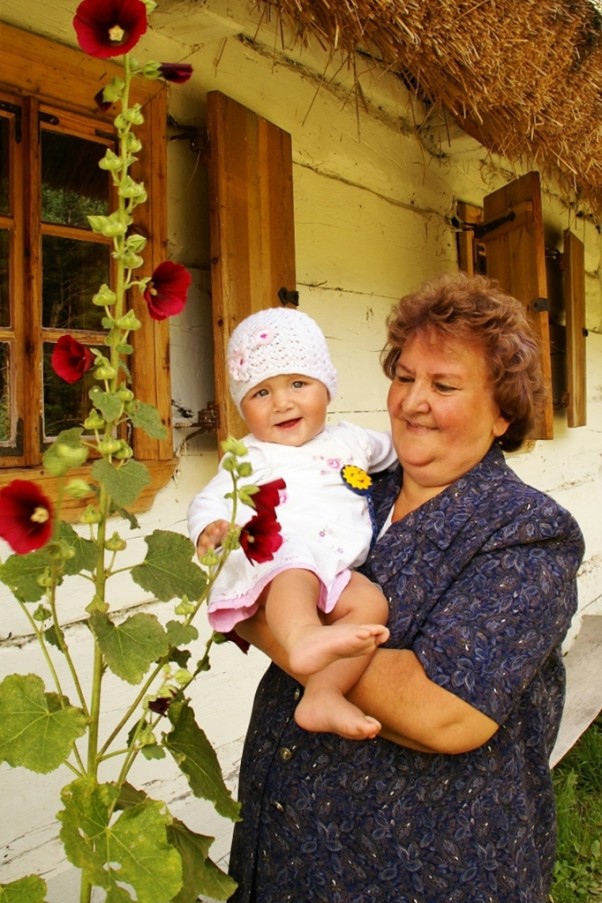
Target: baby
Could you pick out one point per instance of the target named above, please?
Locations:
(328, 618)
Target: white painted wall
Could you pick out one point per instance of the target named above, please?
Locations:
(375, 187)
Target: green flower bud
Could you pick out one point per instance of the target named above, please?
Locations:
(104, 297)
(45, 579)
(115, 543)
(97, 604)
(184, 607)
(105, 371)
(125, 394)
(245, 469)
(91, 515)
(108, 445)
(78, 488)
(234, 446)
(42, 613)
(94, 421)
(129, 321)
(110, 162)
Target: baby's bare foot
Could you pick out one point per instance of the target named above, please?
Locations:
(313, 648)
(330, 712)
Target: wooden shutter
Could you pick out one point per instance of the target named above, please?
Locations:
(573, 277)
(513, 235)
(252, 227)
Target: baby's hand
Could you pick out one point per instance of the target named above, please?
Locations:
(212, 536)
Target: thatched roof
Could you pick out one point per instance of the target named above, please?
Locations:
(522, 76)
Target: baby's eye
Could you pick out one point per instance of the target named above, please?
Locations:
(261, 393)
(298, 383)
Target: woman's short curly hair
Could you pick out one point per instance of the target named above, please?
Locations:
(476, 310)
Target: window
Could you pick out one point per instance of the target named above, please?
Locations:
(51, 263)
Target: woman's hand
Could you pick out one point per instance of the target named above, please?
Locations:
(416, 712)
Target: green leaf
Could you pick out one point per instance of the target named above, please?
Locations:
(197, 760)
(124, 484)
(86, 551)
(37, 729)
(132, 850)
(109, 404)
(132, 646)
(30, 889)
(168, 570)
(181, 634)
(21, 572)
(201, 875)
(146, 417)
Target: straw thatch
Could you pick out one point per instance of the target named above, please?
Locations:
(522, 76)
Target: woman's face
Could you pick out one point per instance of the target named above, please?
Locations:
(443, 415)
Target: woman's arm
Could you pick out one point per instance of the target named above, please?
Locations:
(414, 711)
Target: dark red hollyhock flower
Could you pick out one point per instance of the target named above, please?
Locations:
(70, 359)
(25, 516)
(109, 27)
(166, 292)
(175, 72)
(268, 496)
(260, 537)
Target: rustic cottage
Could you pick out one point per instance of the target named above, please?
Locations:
(328, 154)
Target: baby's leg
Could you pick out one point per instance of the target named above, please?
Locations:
(291, 612)
(324, 706)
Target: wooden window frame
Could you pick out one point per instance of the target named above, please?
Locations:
(64, 78)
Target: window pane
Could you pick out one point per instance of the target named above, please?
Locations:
(65, 404)
(5, 425)
(73, 186)
(4, 271)
(4, 194)
(72, 272)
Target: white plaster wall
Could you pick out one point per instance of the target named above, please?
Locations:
(375, 187)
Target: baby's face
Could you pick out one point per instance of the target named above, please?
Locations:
(288, 409)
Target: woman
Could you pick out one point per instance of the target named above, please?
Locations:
(453, 802)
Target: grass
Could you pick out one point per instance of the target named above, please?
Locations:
(578, 787)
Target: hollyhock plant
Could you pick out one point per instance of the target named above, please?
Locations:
(167, 289)
(122, 841)
(70, 359)
(25, 516)
(108, 28)
(261, 537)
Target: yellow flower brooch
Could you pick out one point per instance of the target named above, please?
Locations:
(356, 479)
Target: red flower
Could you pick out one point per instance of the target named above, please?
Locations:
(70, 359)
(260, 537)
(268, 496)
(166, 292)
(25, 516)
(175, 72)
(109, 27)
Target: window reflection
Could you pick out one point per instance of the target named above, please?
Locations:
(65, 405)
(72, 272)
(73, 187)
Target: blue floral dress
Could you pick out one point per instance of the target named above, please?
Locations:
(481, 583)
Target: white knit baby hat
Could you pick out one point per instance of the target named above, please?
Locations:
(274, 341)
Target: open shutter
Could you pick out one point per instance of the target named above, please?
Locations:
(573, 261)
(252, 227)
(512, 232)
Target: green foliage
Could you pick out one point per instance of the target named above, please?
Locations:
(122, 840)
(578, 787)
